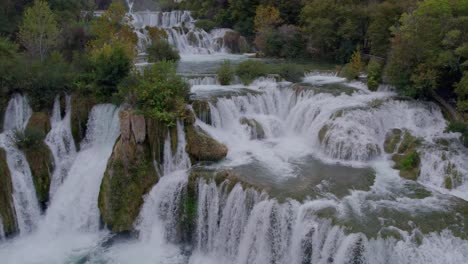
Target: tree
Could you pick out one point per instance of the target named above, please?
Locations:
(113, 28)
(38, 30)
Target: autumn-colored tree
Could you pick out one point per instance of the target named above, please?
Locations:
(113, 27)
(267, 18)
(39, 30)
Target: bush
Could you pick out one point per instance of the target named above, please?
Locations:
(374, 74)
(205, 24)
(225, 73)
(110, 66)
(461, 128)
(160, 93)
(30, 138)
(161, 50)
(249, 70)
(352, 70)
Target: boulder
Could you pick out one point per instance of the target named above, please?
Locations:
(7, 210)
(406, 157)
(256, 129)
(202, 147)
(130, 174)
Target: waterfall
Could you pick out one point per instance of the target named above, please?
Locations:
(61, 143)
(181, 31)
(266, 231)
(74, 205)
(25, 200)
(159, 214)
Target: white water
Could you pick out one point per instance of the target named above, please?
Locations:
(25, 201)
(74, 205)
(232, 230)
(61, 144)
(181, 31)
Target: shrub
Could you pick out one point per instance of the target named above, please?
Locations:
(461, 128)
(352, 70)
(205, 24)
(225, 73)
(249, 70)
(374, 74)
(110, 66)
(30, 138)
(160, 93)
(161, 50)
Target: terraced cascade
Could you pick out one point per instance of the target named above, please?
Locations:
(318, 172)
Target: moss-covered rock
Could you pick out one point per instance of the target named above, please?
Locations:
(202, 111)
(7, 210)
(453, 178)
(39, 156)
(404, 148)
(201, 147)
(130, 174)
(256, 129)
(80, 108)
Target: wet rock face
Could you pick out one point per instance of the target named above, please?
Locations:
(39, 156)
(404, 146)
(80, 108)
(201, 147)
(130, 174)
(235, 42)
(7, 211)
(256, 129)
(202, 111)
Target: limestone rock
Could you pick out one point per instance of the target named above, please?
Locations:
(40, 157)
(130, 174)
(201, 147)
(80, 108)
(256, 129)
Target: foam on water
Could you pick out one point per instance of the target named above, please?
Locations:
(61, 144)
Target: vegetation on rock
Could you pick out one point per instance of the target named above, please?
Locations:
(225, 73)
(7, 211)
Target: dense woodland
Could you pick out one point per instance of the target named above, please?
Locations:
(420, 47)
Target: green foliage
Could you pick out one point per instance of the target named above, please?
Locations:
(160, 93)
(109, 67)
(409, 161)
(160, 50)
(249, 70)
(352, 70)
(206, 24)
(427, 48)
(461, 128)
(225, 73)
(462, 93)
(30, 138)
(39, 30)
(374, 74)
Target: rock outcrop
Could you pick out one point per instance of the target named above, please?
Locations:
(7, 210)
(404, 146)
(39, 156)
(202, 111)
(130, 174)
(202, 147)
(256, 129)
(80, 108)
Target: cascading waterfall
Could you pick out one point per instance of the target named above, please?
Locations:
(25, 200)
(61, 143)
(159, 213)
(242, 229)
(75, 203)
(181, 32)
